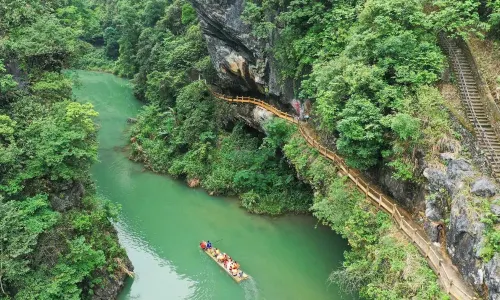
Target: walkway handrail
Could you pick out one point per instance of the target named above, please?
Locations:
(442, 266)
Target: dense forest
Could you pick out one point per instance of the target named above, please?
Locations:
(56, 238)
(370, 67)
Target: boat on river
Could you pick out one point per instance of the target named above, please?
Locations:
(238, 278)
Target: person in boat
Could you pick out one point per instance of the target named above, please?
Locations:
(209, 245)
(240, 274)
(220, 257)
(234, 272)
(236, 265)
(203, 245)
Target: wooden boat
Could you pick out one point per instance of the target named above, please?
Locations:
(237, 278)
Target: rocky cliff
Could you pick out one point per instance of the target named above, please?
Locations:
(241, 60)
(463, 198)
(67, 198)
(454, 194)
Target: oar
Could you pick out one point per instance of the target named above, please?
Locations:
(217, 241)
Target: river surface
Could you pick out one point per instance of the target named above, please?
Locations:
(162, 221)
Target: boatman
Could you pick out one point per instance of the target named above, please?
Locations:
(209, 245)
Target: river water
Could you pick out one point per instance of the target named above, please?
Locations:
(162, 221)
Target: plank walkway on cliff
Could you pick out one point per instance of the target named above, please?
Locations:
(448, 274)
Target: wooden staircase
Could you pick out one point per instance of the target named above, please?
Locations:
(476, 109)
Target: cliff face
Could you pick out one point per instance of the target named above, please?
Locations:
(457, 195)
(67, 198)
(447, 197)
(241, 60)
(471, 199)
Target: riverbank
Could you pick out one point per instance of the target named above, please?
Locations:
(380, 258)
(162, 221)
(190, 141)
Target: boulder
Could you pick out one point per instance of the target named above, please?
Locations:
(459, 168)
(483, 187)
(436, 178)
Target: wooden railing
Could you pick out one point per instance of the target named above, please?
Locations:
(447, 273)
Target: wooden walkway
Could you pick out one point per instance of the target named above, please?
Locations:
(448, 275)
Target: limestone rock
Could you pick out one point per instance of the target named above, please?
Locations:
(69, 196)
(408, 193)
(492, 277)
(237, 56)
(495, 209)
(432, 211)
(432, 231)
(261, 116)
(464, 239)
(459, 168)
(112, 284)
(484, 188)
(435, 177)
(243, 62)
(252, 115)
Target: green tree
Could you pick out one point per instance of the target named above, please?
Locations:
(21, 222)
(7, 83)
(44, 45)
(458, 18)
(360, 133)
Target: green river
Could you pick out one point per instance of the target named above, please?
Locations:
(162, 221)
